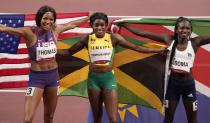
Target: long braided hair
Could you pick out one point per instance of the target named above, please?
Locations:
(179, 20)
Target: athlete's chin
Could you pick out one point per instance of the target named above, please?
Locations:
(184, 38)
(46, 28)
(100, 35)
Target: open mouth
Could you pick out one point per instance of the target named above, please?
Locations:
(100, 32)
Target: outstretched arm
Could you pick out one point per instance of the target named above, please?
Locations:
(165, 38)
(202, 40)
(14, 31)
(199, 41)
(72, 24)
(118, 39)
(75, 48)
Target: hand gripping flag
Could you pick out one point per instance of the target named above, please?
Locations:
(136, 113)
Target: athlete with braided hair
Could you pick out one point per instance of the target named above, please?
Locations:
(182, 50)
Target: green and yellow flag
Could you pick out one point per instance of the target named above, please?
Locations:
(140, 76)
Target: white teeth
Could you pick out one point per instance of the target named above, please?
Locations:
(47, 25)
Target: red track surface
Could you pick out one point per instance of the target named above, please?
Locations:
(69, 109)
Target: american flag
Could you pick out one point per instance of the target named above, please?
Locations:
(14, 61)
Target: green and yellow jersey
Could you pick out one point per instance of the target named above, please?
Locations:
(100, 50)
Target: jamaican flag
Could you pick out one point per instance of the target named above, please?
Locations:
(140, 76)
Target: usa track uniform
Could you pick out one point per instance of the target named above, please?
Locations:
(43, 50)
(101, 52)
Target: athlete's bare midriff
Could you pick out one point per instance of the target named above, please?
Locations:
(100, 68)
(44, 65)
(181, 77)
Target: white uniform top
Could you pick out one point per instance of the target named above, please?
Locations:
(183, 60)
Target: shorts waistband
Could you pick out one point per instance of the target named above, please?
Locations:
(44, 72)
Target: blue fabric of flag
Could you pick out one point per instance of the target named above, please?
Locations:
(149, 115)
(9, 43)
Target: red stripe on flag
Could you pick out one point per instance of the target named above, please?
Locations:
(14, 61)
(69, 35)
(154, 28)
(16, 84)
(10, 72)
(22, 51)
(85, 25)
(22, 40)
(29, 17)
(151, 28)
(201, 67)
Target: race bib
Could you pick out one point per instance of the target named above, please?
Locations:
(100, 55)
(30, 91)
(48, 50)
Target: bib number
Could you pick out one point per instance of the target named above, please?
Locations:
(195, 105)
(30, 91)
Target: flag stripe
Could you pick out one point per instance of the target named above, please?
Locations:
(14, 66)
(80, 30)
(10, 72)
(164, 21)
(23, 51)
(12, 61)
(68, 35)
(13, 56)
(22, 46)
(14, 78)
(201, 67)
(137, 87)
(202, 88)
(152, 28)
(15, 84)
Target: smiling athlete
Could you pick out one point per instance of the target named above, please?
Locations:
(102, 86)
(182, 50)
(41, 42)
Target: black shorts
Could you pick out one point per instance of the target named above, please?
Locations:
(186, 89)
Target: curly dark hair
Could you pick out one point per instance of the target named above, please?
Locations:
(98, 15)
(42, 11)
(179, 20)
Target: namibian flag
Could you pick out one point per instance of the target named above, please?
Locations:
(140, 77)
